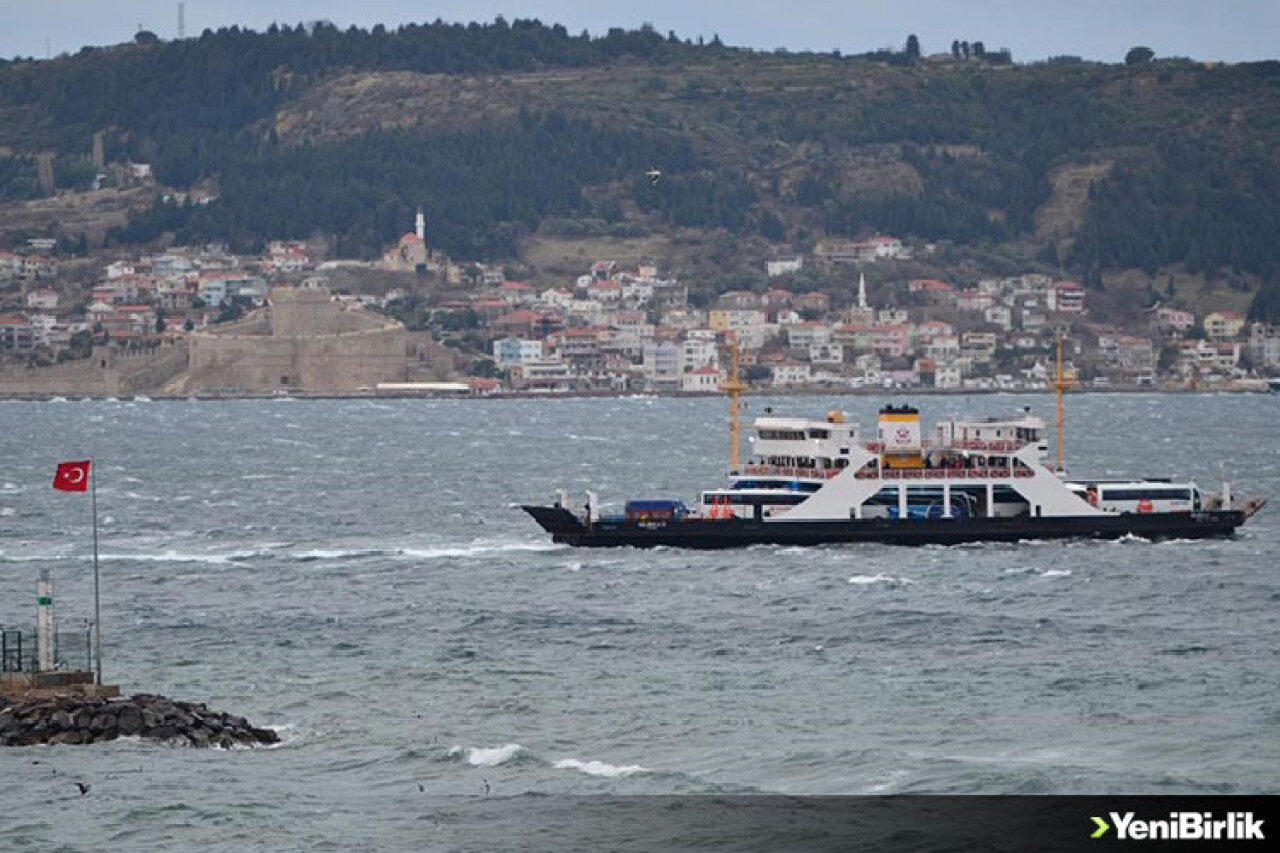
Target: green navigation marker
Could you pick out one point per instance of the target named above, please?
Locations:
(1103, 826)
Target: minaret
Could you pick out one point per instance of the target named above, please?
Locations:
(862, 290)
(420, 226)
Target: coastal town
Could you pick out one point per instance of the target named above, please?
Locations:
(614, 328)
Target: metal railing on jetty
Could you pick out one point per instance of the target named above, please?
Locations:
(72, 650)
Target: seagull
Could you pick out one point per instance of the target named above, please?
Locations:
(84, 787)
(653, 174)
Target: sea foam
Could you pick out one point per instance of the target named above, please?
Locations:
(599, 768)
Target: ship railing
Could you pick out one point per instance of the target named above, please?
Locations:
(777, 471)
(943, 473)
(954, 444)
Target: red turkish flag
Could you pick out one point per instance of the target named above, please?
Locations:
(72, 476)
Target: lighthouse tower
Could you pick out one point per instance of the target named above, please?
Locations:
(420, 226)
(862, 290)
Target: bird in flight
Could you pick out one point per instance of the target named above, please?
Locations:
(84, 787)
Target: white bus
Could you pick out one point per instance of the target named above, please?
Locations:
(1145, 497)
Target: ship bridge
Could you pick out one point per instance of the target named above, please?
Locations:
(801, 448)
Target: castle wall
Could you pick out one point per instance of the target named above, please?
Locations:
(315, 346)
(105, 373)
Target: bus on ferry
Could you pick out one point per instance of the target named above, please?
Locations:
(1145, 497)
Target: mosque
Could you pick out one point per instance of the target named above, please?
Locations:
(412, 254)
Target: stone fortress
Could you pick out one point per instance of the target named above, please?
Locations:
(303, 343)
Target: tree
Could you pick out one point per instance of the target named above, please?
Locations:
(913, 47)
(771, 227)
(955, 48)
(146, 37)
(979, 49)
(159, 321)
(1139, 56)
(964, 49)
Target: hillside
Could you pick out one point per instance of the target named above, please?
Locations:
(520, 139)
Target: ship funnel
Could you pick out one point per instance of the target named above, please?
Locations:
(899, 432)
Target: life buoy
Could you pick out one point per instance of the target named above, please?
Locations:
(1144, 505)
(1093, 497)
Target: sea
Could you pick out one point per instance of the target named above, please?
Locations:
(357, 575)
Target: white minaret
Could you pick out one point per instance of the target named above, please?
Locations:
(420, 226)
(862, 290)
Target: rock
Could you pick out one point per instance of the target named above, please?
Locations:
(75, 720)
(264, 735)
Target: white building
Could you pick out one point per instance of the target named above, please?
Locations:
(947, 376)
(827, 353)
(791, 373)
(784, 266)
(509, 351)
(704, 380)
(43, 299)
(999, 315)
(891, 316)
(696, 353)
(805, 335)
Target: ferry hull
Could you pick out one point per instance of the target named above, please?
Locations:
(568, 529)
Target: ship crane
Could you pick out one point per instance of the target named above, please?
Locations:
(733, 387)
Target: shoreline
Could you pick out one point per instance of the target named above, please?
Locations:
(614, 395)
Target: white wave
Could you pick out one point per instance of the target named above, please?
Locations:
(287, 732)
(475, 550)
(1056, 573)
(866, 580)
(492, 756)
(334, 554)
(6, 511)
(599, 768)
(163, 557)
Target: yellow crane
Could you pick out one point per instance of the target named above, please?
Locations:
(733, 387)
(1060, 384)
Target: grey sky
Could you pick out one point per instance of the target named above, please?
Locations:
(1231, 30)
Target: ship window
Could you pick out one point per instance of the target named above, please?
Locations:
(1166, 494)
(781, 434)
(819, 433)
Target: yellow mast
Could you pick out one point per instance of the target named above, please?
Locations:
(1059, 385)
(734, 387)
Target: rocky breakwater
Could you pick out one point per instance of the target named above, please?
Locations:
(75, 719)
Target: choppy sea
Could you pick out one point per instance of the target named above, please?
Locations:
(355, 573)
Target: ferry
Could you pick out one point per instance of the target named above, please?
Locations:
(813, 482)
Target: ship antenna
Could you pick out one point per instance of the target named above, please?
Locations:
(734, 389)
(1059, 386)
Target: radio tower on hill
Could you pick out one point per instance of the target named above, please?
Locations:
(182, 21)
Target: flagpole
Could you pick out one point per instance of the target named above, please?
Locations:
(97, 602)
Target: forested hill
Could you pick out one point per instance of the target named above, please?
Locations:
(498, 128)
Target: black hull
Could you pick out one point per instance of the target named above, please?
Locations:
(568, 529)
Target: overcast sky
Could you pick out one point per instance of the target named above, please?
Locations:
(1231, 30)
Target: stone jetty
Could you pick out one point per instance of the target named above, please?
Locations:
(82, 719)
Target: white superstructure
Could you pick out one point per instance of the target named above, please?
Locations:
(820, 470)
